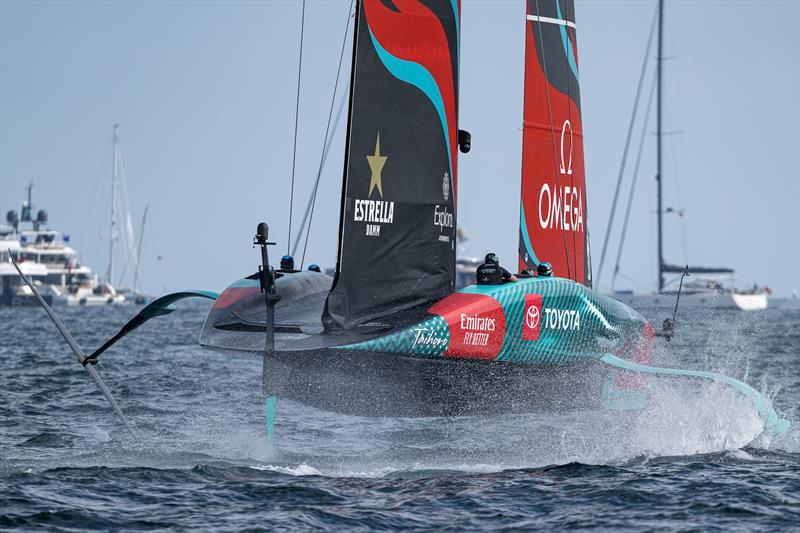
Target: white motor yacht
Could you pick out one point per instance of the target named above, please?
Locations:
(13, 292)
(46, 258)
(71, 282)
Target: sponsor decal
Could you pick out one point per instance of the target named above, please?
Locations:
(476, 322)
(476, 329)
(537, 316)
(532, 319)
(426, 337)
(442, 218)
(374, 212)
(562, 207)
(563, 319)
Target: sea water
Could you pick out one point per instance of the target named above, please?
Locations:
(694, 458)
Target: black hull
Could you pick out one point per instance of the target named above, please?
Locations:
(376, 384)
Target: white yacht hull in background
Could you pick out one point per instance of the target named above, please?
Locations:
(92, 300)
(86, 296)
(721, 300)
(750, 302)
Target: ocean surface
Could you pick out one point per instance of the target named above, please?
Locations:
(695, 458)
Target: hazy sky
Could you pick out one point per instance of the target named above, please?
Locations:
(204, 93)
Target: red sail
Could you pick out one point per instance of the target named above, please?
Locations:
(553, 225)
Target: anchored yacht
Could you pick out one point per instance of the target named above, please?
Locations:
(13, 292)
(48, 260)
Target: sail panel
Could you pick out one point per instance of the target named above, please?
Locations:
(553, 212)
(398, 227)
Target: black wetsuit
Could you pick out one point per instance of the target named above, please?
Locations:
(492, 274)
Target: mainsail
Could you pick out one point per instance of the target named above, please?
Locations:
(553, 225)
(398, 219)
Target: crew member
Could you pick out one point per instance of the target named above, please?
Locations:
(526, 273)
(287, 263)
(313, 267)
(491, 273)
(545, 270)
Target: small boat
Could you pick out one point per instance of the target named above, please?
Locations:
(389, 334)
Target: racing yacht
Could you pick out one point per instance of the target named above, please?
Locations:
(389, 334)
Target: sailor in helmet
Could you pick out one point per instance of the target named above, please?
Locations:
(287, 263)
(491, 273)
(544, 270)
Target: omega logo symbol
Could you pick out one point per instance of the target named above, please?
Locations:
(532, 317)
(568, 169)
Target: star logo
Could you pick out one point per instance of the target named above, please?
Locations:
(376, 162)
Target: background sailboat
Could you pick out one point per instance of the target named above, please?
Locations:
(708, 287)
(122, 232)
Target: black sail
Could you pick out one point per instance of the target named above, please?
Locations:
(398, 218)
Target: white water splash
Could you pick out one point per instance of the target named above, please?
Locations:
(299, 470)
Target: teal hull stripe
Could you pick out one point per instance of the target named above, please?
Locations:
(567, 42)
(418, 76)
(774, 424)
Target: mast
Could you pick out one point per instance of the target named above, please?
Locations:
(112, 239)
(139, 250)
(348, 134)
(659, 209)
(26, 212)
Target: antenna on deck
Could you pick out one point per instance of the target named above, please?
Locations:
(668, 327)
(267, 279)
(271, 297)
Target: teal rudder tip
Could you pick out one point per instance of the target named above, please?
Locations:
(270, 411)
(776, 425)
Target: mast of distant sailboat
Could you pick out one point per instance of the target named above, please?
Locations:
(139, 250)
(114, 234)
(659, 209)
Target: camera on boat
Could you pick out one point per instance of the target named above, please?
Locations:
(464, 141)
